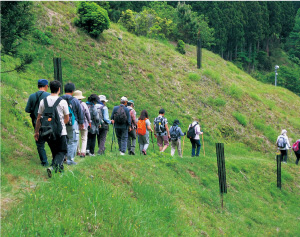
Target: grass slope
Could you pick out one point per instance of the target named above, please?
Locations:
(232, 107)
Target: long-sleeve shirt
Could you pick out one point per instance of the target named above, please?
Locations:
(178, 131)
(197, 130)
(105, 115)
(76, 107)
(87, 116)
(287, 146)
(133, 118)
(128, 122)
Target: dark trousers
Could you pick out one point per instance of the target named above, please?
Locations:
(194, 144)
(40, 145)
(91, 142)
(131, 140)
(59, 150)
(101, 137)
(284, 155)
(122, 136)
(298, 157)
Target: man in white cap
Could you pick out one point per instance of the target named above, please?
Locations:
(105, 126)
(87, 121)
(122, 121)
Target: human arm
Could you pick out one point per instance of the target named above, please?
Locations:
(37, 127)
(167, 129)
(148, 125)
(180, 132)
(29, 105)
(79, 113)
(105, 115)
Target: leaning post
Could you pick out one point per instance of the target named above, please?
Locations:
(199, 51)
(278, 158)
(58, 72)
(221, 169)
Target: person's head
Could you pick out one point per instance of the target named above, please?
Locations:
(124, 100)
(144, 115)
(43, 84)
(283, 132)
(130, 103)
(176, 122)
(69, 88)
(93, 98)
(103, 99)
(55, 87)
(78, 95)
(162, 112)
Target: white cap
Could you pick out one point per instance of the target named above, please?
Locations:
(102, 98)
(124, 98)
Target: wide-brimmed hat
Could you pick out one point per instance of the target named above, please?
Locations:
(103, 98)
(78, 95)
(130, 102)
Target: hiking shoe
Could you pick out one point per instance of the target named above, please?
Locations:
(87, 152)
(92, 154)
(71, 162)
(122, 154)
(49, 171)
(78, 153)
(82, 155)
(45, 164)
(133, 153)
(100, 153)
(144, 152)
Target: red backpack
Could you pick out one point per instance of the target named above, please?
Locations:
(296, 146)
(141, 127)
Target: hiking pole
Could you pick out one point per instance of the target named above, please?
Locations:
(203, 144)
(112, 138)
(152, 141)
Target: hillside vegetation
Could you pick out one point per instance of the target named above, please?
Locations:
(158, 195)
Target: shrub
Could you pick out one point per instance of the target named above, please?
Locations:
(180, 47)
(194, 77)
(213, 75)
(235, 91)
(41, 37)
(240, 118)
(216, 102)
(92, 18)
(127, 20)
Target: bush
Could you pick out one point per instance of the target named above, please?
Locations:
(194, 77)
(180, 47)
(127, 20)
(240, 118)
(41, 37)
(92, 18)
(218, 102)
(235, 91)
(264, 62)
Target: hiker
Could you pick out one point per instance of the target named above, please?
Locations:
(105, 125)
(193, 134)
(283, 145)
(122, 122)
(143, 128)
(176, 134)
(76, 118)
(161, 133)
(132, 132)
(87, 122)
(53, 109)
(93, 129)
(32, 107)
(296, 149)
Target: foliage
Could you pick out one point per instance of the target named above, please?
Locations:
(41, 37)
(293, 41)
(92, 18)
(180, 47)
(242, 119)
(263, 61)
(127, 20)
(16, 22)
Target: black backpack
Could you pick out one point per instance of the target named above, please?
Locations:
(159, 125)
(173, 133)
(120, 116)
(191, 134)
(51, 127)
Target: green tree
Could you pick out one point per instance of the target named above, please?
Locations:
(293, 42)
(16, 22)
(127, 20)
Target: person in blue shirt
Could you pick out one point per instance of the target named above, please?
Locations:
(32, 106)
(74, 124)
(121, 127)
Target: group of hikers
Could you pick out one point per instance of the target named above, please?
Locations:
(62, 121)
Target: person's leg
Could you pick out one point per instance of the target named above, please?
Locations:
(73, 135)
(119, 136)
(40, 145)
(124, 139)
(84, 134)
(166, 143)
(53, 149)
(298, 158)
(193, 147)
(88, 145)
(93, 143)
(146, 142)
(129, 142)
(160, 142)
(284, 156)
(179, 147)
(198, 147)
(173, 147)
(103, 134)
(61, 145)
(281, 155)
(133, 137)
(79, 143)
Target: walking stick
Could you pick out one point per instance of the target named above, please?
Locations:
(152, 141)
(112, 138)
(203, 144)
(183, 144)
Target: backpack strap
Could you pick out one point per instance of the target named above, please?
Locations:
(57, 102)
(37, 100)
(46, 103)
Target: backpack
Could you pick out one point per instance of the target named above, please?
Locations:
(281, 142)
(141, 127)
(159, 125)
(37, 104)
(71, 115)
(93, 129)
(191, 134)
(296, 146)
(120, 116)
(51, 126)
(173, 133)
(100, 111)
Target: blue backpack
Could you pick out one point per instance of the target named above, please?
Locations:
(71, 115)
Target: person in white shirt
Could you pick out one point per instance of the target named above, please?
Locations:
(196, 140)
(58, 147)
(283, 145)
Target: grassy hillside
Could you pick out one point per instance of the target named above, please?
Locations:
(231, 106)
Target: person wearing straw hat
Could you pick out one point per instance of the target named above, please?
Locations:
(105, 126)
(87, 121)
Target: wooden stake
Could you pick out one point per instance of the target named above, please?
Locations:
(203, 144)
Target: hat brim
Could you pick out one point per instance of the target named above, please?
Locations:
(79, 97)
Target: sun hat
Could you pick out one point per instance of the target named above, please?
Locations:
(283, 132)
(42, 82)
(130, 102)
(103, 98)
(78, 95)
(123, 99)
